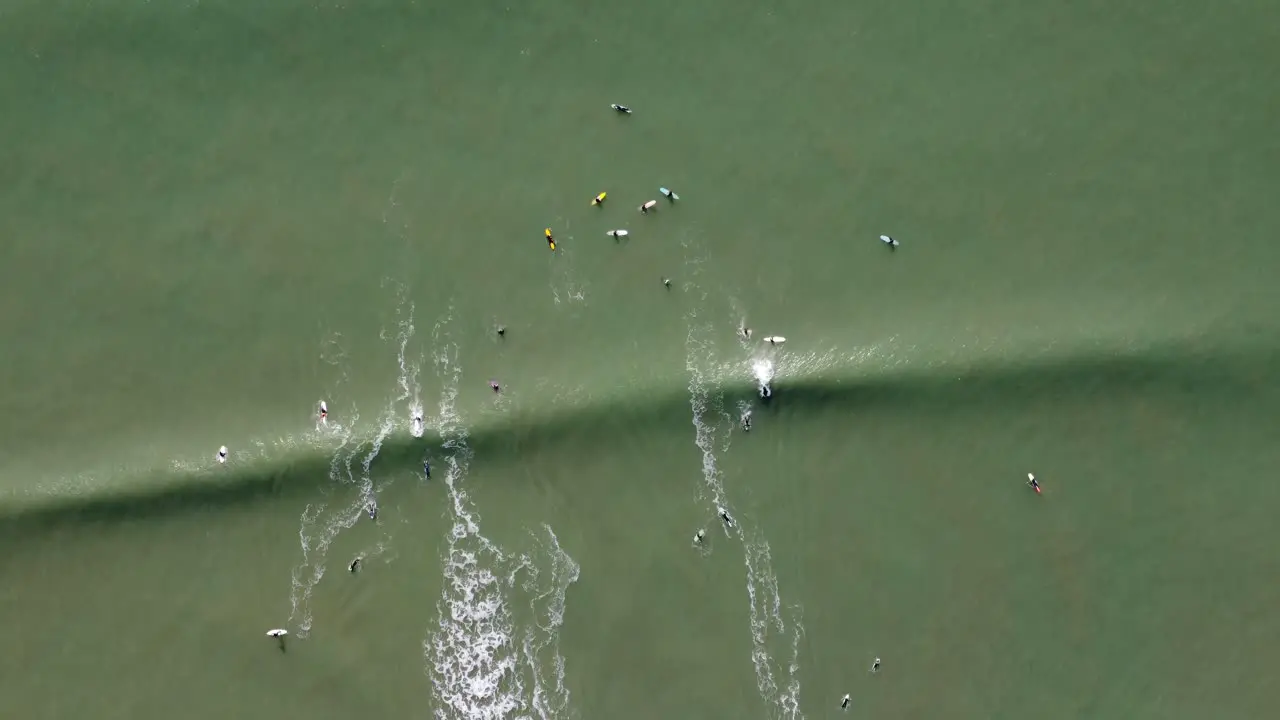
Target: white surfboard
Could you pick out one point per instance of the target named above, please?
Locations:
(888, 241)
(278, 632)
(617, 233)
(222, 454)
(775, 339)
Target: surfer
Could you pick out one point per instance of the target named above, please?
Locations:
(746, 421)
(372, 507)
(668, 194)
(599, 199)
(279, 634)
(621, 108)
(551, 241)
(699, 536)
(426, 468)
(324, 412)
(889, 242)
(724, 515)
(766, 392)
(875, 666)
(615, 234)
(355, 565)
(667, 282)
(645, 208)
(744, 332)
(844, 702)
(502, 331)
(1033, 483)
(495, 386)
(222, 454)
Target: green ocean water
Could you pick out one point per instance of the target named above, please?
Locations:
(215, 215)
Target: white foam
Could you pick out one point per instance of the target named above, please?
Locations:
(550, 697)
(319, 523)
(765, 602)
(470, 657)
(476, 668)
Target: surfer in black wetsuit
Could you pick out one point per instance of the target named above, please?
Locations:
(355, 565)
(746, 421)
(724, 515)
(373, 510)
(426, 468)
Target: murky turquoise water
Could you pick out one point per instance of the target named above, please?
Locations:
(216, 215)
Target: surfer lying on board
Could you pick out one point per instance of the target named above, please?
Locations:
(1033, 483)
(551, 241)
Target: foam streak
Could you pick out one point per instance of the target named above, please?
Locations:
(765, 602)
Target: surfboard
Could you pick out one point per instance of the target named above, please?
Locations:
(617, 233)
(278, 632)
(775, 340)
(668, 194)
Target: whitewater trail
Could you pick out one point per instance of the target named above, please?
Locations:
(349, 469)
(477, 670)
(775, 629)
(567, 286)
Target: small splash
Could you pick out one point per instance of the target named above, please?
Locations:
(763, 371)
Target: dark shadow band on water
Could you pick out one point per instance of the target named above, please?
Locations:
(1169, 373)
